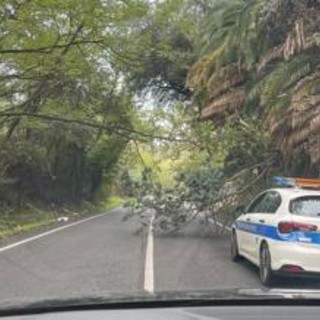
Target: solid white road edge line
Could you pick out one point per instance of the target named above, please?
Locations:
(47, 233)
(149, 268)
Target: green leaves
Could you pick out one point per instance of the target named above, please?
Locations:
(283, 77)
(60, 71)
(274, 48)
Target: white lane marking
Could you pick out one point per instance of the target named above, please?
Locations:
(47, 233)
(219, 224)
(149, 268)
(223, 226)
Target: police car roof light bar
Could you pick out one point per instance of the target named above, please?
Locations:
(283, 181)
(296, 182)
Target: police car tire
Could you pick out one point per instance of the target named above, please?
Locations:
(268, 278)
(234, 247)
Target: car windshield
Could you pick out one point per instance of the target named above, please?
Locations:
(132, 132)
(306, 206)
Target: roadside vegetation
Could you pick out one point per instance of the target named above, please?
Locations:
(253, 110)
(186, 107)
(31, 219)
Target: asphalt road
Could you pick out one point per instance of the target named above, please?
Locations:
(105, 255)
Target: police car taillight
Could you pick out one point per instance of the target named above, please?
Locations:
(289, 227)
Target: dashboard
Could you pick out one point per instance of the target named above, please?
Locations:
(192, 313)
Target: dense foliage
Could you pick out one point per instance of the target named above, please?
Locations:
(256, 81)
(65, 114)
(189, 102)
(261, 59)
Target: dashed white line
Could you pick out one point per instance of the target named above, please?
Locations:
(149, 266)
(47, 233)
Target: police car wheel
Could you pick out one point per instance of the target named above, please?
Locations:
(265, 271)
(234, 247)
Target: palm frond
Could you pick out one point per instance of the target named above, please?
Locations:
(224, 79)
(220, 22)
(224, 105)
(271, 49)
(283, 77)
(202, 70)
(254, 91)
(272, 54)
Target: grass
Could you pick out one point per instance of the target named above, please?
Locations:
(32, 218)
(102, 206)
(23, 221)
(112, 203)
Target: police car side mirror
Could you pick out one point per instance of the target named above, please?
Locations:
(240, 210)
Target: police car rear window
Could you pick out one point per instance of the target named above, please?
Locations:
(306, 206)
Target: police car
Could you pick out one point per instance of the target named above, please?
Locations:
(280, 230)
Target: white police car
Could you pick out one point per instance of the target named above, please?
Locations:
(280, 230)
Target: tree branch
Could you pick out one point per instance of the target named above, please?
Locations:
(50, 49)
(130, 134)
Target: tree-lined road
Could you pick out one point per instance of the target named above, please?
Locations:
(106, 255)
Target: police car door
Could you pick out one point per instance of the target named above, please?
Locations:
(263, 220)
(245, 226)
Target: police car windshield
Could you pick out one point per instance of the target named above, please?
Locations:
(306, 206)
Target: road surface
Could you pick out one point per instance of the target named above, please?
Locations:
(105, 255)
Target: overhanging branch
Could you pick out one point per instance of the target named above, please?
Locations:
(50, 49)
(128, 133)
